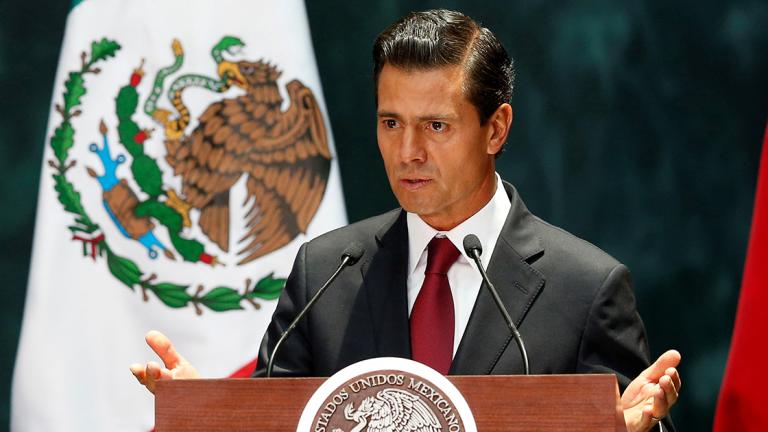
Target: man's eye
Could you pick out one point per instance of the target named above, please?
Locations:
(390, 123)
(437, 126)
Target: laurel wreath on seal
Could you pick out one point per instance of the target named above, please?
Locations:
(84, 229)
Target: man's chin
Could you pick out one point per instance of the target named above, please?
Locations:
(421, 209)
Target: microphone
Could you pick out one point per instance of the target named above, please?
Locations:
(474, 249)
(350, 256)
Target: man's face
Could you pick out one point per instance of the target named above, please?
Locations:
(439, 159)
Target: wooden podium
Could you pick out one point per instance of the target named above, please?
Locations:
(573, 403)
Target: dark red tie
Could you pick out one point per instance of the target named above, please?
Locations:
(432, 317)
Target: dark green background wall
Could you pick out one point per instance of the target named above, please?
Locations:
(637, 126)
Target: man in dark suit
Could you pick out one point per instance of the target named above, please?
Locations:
(443, 90)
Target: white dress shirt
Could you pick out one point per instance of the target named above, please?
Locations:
(464, 278)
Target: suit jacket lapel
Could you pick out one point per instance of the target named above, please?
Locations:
(487, 335)
(385, 280)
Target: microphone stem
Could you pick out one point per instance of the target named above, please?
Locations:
(503, 310)
(284, 336)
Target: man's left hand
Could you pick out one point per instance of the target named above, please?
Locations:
(649, 397)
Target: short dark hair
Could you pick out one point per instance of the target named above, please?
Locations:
(437, 38)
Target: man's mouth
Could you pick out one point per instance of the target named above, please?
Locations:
(414, 183)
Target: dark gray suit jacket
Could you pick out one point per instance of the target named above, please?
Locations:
(573, 303)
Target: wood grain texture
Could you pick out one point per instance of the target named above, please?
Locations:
(573, 403)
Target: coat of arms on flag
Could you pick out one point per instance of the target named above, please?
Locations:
(283, 154)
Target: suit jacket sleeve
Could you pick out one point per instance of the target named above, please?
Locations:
(614, 335)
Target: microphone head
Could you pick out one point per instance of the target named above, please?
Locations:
(472, 243)
(354, 252)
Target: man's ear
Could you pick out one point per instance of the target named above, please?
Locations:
(500, 122)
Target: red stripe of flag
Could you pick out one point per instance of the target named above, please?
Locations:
(245, 371)
(743, 398)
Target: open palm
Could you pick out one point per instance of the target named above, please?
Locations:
(649, 397)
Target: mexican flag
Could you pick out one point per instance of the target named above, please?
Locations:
(742, 401)
(188, 156)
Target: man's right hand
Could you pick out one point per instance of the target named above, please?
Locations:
(176, 366)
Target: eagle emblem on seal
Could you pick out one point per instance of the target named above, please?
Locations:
(392, 410)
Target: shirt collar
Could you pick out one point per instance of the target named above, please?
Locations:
(486, 224)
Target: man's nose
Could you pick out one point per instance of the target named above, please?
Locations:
(412, 146)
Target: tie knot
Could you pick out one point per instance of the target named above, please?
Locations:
(441, 254)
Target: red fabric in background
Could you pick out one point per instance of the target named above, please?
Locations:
(743, 402)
